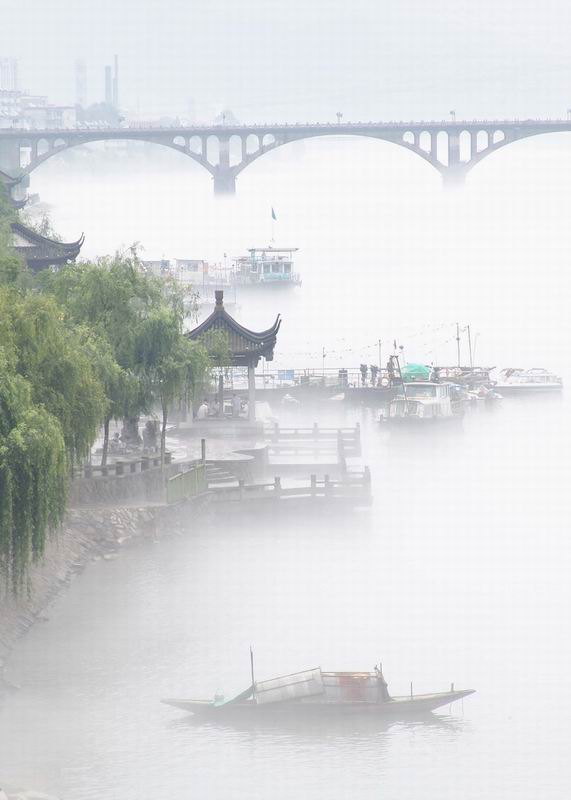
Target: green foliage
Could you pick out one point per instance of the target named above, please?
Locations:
(43, 226)
(57, 367)
(218, 346)
(32, 469)
(172, 366)
(12, 267)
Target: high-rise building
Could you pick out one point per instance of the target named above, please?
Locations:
(80, 83)
(9, 74)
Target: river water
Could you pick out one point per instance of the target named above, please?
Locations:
(458, 572)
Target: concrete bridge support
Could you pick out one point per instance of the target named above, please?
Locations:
(224, 181)
(10, 156)
(454, 177)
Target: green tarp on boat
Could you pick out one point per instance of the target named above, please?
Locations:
(415, 372)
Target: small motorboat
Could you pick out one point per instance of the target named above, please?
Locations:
(527, 381)
(318, 693)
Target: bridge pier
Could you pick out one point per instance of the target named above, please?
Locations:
(224, 182)
(454, 177)
(10, 156)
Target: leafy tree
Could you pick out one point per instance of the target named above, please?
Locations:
(12, 267)
(172, 366)
(51, 404)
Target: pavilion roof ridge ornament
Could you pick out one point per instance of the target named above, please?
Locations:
(246, 346)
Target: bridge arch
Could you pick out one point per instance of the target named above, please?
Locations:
(56, 145)
(496, 143)
(281, 140)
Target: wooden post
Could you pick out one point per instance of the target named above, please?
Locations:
(241, 488)
(251, 393)
(88, 471)
(277, 486)
(203, 450)
(313, 485)
(326, 484)
(145, 463)
(119, 468)
(411, 695)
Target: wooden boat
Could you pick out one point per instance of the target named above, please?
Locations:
(317, 693)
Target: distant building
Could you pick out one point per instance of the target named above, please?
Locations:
(20, 110)
(9, 74)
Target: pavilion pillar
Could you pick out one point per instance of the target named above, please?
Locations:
(221, 394)
(251, 393)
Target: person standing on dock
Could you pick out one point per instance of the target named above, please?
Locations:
(236, 405)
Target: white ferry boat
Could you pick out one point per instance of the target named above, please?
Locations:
(521, 381)
(266, 266)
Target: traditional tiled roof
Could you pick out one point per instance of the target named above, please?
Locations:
(40, 252)
(246, 346)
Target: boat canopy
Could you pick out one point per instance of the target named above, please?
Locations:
(415, 372)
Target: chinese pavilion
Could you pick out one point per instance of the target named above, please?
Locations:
(40, 252)
(246, 347)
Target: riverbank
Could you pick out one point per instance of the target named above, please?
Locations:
(87, 535)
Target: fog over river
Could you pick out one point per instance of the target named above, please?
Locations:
(459, 571)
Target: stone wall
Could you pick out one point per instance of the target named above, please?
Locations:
(140, 487)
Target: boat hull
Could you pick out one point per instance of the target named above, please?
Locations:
(528, 388)
(397, 707)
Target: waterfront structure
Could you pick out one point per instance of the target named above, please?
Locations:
(246, 347)
(453, 148)
(39, 252)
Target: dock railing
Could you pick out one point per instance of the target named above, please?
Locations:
(355, 489)
(122, 467)
(346, 442)
(190, 482)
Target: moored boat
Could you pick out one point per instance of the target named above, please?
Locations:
(266, 266)
(317, 693)
(424, 402)
(522, 381)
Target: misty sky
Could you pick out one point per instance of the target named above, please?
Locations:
(301, 59)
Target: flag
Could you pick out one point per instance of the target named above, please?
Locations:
(273, 214)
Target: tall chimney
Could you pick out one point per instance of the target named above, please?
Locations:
(116, 83)
(108, 86)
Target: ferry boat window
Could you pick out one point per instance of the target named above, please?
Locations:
(287, 268)
(267, 267)
(254, 268)
(276, 268)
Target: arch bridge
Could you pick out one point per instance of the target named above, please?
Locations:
(452, 148)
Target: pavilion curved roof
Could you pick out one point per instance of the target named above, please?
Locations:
(246, 346)
(39, 252)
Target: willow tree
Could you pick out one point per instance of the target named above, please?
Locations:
(112, 298)
(51, 405)
(32, 476)
(171, 366)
